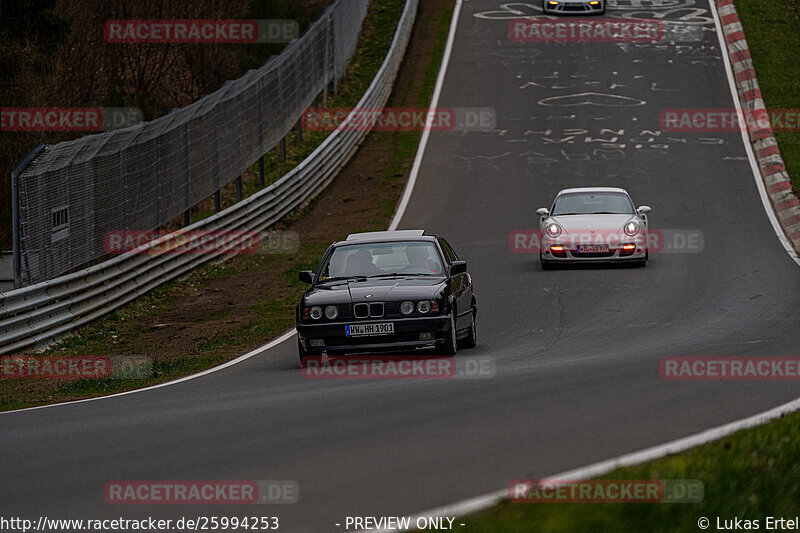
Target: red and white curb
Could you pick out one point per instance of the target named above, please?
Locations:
(773, 170)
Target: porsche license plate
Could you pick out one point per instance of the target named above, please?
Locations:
(593, 248)
(361, 330)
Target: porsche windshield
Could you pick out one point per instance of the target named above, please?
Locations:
(593, 203)
(384, 258)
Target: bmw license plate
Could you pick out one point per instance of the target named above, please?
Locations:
(593, 248)
(361, 330)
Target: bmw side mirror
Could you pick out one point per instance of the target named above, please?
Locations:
(458, 267)
(307, 276)
(643, 210)
(543, 211)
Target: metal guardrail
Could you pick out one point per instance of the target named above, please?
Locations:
(40, 314)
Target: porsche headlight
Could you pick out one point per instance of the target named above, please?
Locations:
(553, 230)
(331, 312)
(407, 307)
(631, 228)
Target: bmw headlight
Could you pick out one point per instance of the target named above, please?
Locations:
(553, 230)
(631, 228)
(407, 307)
(423, 306)
(315, 312)
(331, 312)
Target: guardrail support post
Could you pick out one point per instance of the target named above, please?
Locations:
(283, 149)
(239, 188)
(187, 217)
(261, 171)
(300, 130)
(217, 202)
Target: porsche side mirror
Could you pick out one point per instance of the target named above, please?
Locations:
(543, 211)
(643, 210)
(458, 267)
(307, 276)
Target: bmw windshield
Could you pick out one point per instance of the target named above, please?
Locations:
(382, 259)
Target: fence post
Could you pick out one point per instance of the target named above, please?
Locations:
(187, 215)
(261, 171)
(17, 258)
(15, 215)
(283, 149)
(328, 41)
(239, 188)
(300, 129)
(217, 202)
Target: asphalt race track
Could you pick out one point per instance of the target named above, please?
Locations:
(577, 352)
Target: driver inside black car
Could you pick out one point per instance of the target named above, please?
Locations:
(419, 261)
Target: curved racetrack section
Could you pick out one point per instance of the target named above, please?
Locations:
(577, 352)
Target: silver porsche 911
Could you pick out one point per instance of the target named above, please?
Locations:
(593, 224)
(574, 7)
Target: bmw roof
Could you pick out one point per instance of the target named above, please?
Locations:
(397, 235)
(593, 189)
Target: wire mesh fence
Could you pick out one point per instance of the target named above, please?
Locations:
(73, 193)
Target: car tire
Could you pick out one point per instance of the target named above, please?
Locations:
(451, 343)
(471, 340)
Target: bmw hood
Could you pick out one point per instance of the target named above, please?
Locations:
(374, 290)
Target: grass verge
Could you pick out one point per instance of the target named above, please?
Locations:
(750, 475)
(773, 34)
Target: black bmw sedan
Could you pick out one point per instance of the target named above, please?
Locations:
(387, 291)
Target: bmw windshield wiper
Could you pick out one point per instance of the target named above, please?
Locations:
(394, 274)
(343, 278)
